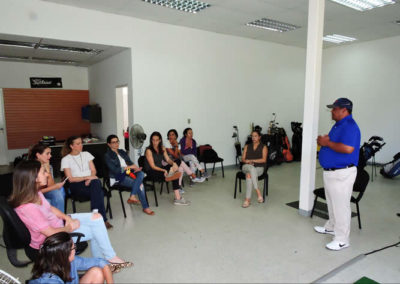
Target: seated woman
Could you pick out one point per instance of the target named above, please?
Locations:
(255, 160)
(189, 152)
(79, 168)
(175, 153)
(57, 263)
(118, 162)
(43, 220)
(54, 192)
(157, 170)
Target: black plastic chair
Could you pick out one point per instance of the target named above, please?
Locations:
(242, 176)
(238, 148)
(150, 186)
(359, 186)
(16, 236)
(213, 161)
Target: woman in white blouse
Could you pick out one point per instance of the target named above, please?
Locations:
(79, 168)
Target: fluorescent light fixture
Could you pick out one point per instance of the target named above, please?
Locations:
(338, 38)
(190, 6)
(36, 59)
(364, 5)
(272, 25)
(39, 45)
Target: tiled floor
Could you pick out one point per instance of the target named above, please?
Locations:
(215, 240)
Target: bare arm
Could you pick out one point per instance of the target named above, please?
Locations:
(92, 168)
(244, 160)
(335, 146)
(167, 158)
(150, 159)
(67, 173)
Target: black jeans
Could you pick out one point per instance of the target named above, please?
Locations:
(159, 176)
(94, 191)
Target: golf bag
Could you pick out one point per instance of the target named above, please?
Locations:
(297, 140)
(392, 169)
(368, 150)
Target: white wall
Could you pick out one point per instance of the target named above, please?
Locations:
(104, 77)
(369, 74)
(17, 74)
(215, 80)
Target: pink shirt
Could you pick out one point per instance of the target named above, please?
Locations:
(37, 218)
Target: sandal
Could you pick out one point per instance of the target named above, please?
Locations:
(115, 268)
(120, 265)
(131, 201)
(246, 204)
(260, 199)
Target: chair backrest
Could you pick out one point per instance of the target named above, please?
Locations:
(6, 181)
(141, 161)
(238, 148)
(361, 182)
(15, 234)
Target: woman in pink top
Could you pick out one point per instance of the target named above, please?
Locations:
(43, 220)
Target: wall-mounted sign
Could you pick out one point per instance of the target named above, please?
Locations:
(39, 82)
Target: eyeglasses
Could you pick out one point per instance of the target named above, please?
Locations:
(73, 248)
(114, 142)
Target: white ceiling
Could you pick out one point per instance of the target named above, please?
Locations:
(230, 17)
(225, 17)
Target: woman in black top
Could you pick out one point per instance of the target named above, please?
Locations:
(159, 166)
(255, 160)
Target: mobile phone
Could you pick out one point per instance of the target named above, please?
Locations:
(65, 179)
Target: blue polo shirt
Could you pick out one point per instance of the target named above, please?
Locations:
(344, 131)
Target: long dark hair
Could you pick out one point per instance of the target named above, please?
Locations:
(36, 149)
(25, 188)
(53, 257)
(66, 149)
(160, 145)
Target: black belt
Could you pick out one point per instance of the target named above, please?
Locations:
(334, 169)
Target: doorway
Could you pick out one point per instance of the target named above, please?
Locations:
(121, 103)
(3, 140)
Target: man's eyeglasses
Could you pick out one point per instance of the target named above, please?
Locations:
(114, 142)
(73, 248)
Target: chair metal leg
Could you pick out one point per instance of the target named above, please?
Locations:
(222, 165)
(122, 203)
(266, 184)
(234, 194)
(155, 196)
(166, 184)
(265, 189)
(315, 202)
(162, 184)
(73, 206)
(108, 208)
(213, 169)
(240, 185)
(358, 216)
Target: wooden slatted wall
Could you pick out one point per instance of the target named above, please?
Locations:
(33, 113)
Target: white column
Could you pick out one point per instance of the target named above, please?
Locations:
(311, 104)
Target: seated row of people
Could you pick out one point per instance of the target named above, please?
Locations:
(44, 220)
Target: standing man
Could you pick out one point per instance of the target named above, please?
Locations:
(339, 158)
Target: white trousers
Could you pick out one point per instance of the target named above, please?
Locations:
(338, 190)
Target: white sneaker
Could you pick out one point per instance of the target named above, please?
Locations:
(199, 179)
(322, 230)
(181, 201)
(335, 245)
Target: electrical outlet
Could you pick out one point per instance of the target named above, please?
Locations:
(188, 120)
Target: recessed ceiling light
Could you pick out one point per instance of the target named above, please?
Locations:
(338, 38)
(272, 25)
(363, 5)
(190, 6)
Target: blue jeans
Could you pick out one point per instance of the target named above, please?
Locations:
(95, 231)
(137, 187)
(56, 198)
